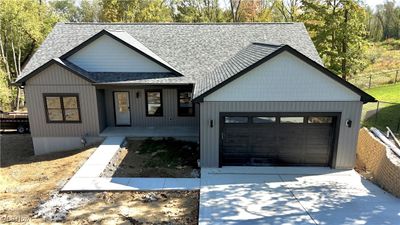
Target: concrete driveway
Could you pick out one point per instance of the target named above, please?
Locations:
(293, 195)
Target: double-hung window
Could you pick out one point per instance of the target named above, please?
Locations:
(62, 108)
(185, 105)
(154, 106)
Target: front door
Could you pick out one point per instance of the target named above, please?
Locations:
(122, 108)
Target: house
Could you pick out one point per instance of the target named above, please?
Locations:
(251, 94)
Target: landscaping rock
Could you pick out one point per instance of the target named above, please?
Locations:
(150, 197)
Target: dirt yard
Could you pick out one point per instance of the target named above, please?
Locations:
(27, 181)
(155, 158)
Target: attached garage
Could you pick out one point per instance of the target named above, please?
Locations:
(265, 139)
(272, 106)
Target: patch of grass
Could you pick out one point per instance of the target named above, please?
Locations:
(387, 117)
(388, 93)
(170, 153)
(389, 114)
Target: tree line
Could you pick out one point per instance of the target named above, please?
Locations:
(340, 29)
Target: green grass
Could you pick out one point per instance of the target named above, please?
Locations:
(170, 153)
(388, 93)
(389, 114)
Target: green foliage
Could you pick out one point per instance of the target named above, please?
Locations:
(383, 56)
(23, 26)
(337, 29)
(5, 92)
(135, 11)
(89, 11)
(66, 9)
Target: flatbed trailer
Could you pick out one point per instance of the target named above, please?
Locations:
(14, 121)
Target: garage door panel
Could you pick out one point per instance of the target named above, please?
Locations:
(289, 142)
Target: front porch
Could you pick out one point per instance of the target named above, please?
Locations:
(178, 132)
(130, 111)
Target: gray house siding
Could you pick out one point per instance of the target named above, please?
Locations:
(56, 79)
(138, 109)
(347, 140)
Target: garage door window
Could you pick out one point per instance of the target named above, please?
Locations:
(292, 119)
(236, 119)
(263, 119)
(324, 119)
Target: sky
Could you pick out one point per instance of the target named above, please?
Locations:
(373, 3)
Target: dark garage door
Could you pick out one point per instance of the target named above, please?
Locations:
(277, 139)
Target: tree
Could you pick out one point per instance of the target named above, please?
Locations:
(21, 32)
(288, 9)
(135, 11)
(338, 31)
(66, 10)
(89, 11)
(193, 11)
(234, 7)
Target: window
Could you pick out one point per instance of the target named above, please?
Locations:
(236, 119)
(319, 119)
(185, 105)
(154, 103)
(62, 108)
(264, 119)
(292, 119)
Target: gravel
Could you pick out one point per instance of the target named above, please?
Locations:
(58, 206)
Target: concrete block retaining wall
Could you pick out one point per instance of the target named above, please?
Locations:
(380, 161)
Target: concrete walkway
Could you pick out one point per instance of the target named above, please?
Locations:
(88, 176)
(293, 195)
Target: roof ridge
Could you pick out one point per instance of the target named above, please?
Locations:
(268, 44)
(179, 23)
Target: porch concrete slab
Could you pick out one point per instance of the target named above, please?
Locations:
(144, 132)
(335, 197)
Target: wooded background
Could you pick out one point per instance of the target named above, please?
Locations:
(351, 38)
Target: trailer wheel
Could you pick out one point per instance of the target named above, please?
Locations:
(21, 129)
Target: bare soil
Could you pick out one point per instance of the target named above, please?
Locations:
(154, 159)
(28, 181)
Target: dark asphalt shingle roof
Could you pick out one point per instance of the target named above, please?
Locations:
(138, 78)
(125, 78)
(241, 61)
(192, 49)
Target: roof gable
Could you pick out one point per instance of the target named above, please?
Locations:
(116, 51)
(187, 48)
(256, 55)
(62, 63)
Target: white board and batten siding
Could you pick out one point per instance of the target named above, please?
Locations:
(283, 84)
(46, 136)
(106, 54)
(283, 78)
